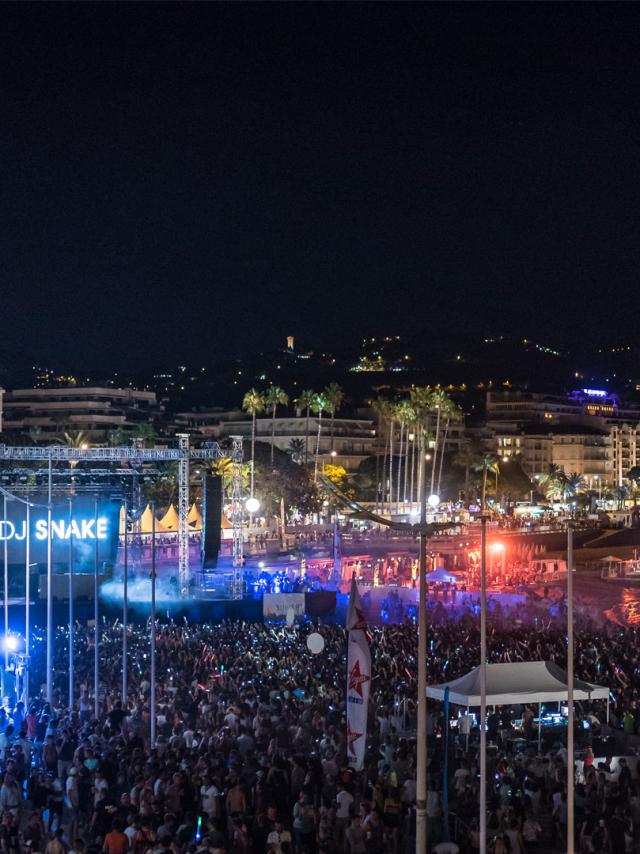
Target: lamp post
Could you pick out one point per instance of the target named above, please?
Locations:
(6, 587)
(125, 607)
(70, 593)
(152, 702)
(483, 683)
(570, 758)
(27, 593)
(421, 771)
(49, 589)
(96, 626)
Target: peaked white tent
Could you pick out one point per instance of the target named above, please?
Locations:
(170, 521)
(523, 682)
(195, 519)
(146, 521)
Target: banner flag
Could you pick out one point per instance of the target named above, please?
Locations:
(358, 680)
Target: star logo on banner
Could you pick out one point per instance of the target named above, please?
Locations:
(361, 621)
(357, 679)
(351, 737)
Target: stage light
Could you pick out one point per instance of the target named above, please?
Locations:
(497, 547)
(11, 643)
(433, 501)
(252, 505)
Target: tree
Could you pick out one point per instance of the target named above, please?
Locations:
(487, 463)
(515, 483)
(469, 458)
(253, 403)
(35, 434)
(304, 401)
(404, 415)
(146, 431)
(381, 406)
(119, 437)
(275, 397)
(319, 405)
(552, 481)
(296, 450)
(335, 397)
(571, 484)
(284, 480)
(422, 403)
(452, 414)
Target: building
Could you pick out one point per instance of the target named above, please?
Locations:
(353, 438)
(95, 411)
(588, 431)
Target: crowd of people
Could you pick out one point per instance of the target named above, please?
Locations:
(250, 752)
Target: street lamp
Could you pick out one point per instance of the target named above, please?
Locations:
(252, 504)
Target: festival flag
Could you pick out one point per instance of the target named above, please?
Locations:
(358, 680)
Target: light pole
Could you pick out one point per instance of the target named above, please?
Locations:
(125, 606)
(70, 607)
(421, 771)
(483, 683)
(570, 758)
(6, 587)
(27, 593)
(96, 627)
(152, 702)
(50, 628)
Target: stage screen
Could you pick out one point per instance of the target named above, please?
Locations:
(81, 529)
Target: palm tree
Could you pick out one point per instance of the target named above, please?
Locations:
(319, 405)
(421, 401)
(552, 480)
(334, 394)
(404, 414)
(253, 402)
(35, 434)
(304, 401)
(74, 440)
(571, 484)
(296, 450)
(468, 458)
(274, 397)
(381, 406)
(119, 437)
(487, 463)
(452, 413)
(441, 404)
(145, 431)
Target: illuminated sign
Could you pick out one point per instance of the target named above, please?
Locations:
(75, 535)
(594, 392)
(61, 529)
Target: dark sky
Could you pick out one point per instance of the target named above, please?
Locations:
(181, 181)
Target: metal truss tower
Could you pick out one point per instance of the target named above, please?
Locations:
(183, 514)
(236, 516)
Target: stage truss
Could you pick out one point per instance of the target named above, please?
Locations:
(137, 455)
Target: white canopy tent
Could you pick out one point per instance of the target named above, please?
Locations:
(521, 682)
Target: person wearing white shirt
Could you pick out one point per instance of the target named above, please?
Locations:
(276, 838)
(209, 798)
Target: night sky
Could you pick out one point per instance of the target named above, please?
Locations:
(181, 182)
